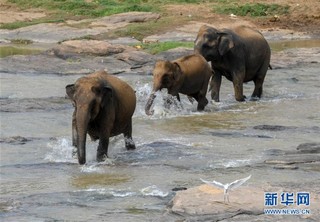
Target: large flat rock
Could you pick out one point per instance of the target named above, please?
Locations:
(54, 33)
(205, 203)
(207, 200)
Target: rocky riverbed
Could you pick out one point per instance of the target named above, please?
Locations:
(67, 52)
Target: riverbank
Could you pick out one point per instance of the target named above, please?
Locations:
(116, 43)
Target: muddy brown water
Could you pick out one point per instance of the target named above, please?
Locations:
(40, 181)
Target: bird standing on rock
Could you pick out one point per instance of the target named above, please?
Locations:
(227, 187)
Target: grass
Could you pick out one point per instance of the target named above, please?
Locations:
(141, 30)
(16, 25)
(10, 50)
(62, 10)
(97, 8)
(155, 48)
(251, 9)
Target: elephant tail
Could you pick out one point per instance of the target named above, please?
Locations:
(270, 66)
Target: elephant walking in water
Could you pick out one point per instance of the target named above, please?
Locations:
(104, 106)
(240, 54)
(188, 75)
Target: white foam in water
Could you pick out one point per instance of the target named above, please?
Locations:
(61, 151)
(119, 193)
(91, 168)
(114, 193)
(153, 191)
(234, 163)
(143, 92)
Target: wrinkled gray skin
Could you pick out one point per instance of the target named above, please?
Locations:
(240, 54)
(188, 75)
(104, 106)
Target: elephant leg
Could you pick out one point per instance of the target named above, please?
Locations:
(215, 84)
(258, 81)
(74, 136)
(102, 152)
(202, 102)
(257, 92)
(237, 79)
(74, 130)
(201, 99)
(128, 137)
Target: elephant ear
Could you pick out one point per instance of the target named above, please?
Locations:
(177, 71)
(107, 95)
(226, 43)
(70, 89)
(105, 92)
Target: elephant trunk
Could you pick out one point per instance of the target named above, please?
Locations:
(82, 119)
(149, 104)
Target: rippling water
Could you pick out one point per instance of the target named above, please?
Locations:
(40, 181)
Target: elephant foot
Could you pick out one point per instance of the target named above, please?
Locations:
(215, 96)
(202, 104)
(241, 98)
(130, 144)
(102, 157)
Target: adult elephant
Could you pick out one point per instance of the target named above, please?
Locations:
(188, 75)
(240, 54)
(104, 106)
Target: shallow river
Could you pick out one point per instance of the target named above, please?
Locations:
(40, 181)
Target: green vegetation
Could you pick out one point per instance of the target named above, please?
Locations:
(16, 25)
(21, 41)
(97, 8)
(10, 50)
(94, 8)
(158, 47)
(141, 30)
(251, 9)
(61, 10)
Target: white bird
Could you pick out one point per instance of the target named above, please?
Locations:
(228, 186)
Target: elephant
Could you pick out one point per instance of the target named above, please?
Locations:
(240, 54)
(188, 75)
(104, 105)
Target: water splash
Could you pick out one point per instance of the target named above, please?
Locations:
(153, 191)
(61, 151)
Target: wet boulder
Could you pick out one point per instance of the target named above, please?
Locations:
(272, 127)
(207, 200)
(309, 148)
(15, 140)
(305, 155)
(88, 47)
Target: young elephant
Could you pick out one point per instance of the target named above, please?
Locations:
(104, 106)
(240, 54)
(188, 75)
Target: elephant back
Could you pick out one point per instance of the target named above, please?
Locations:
(193, 65)
(124, 95)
